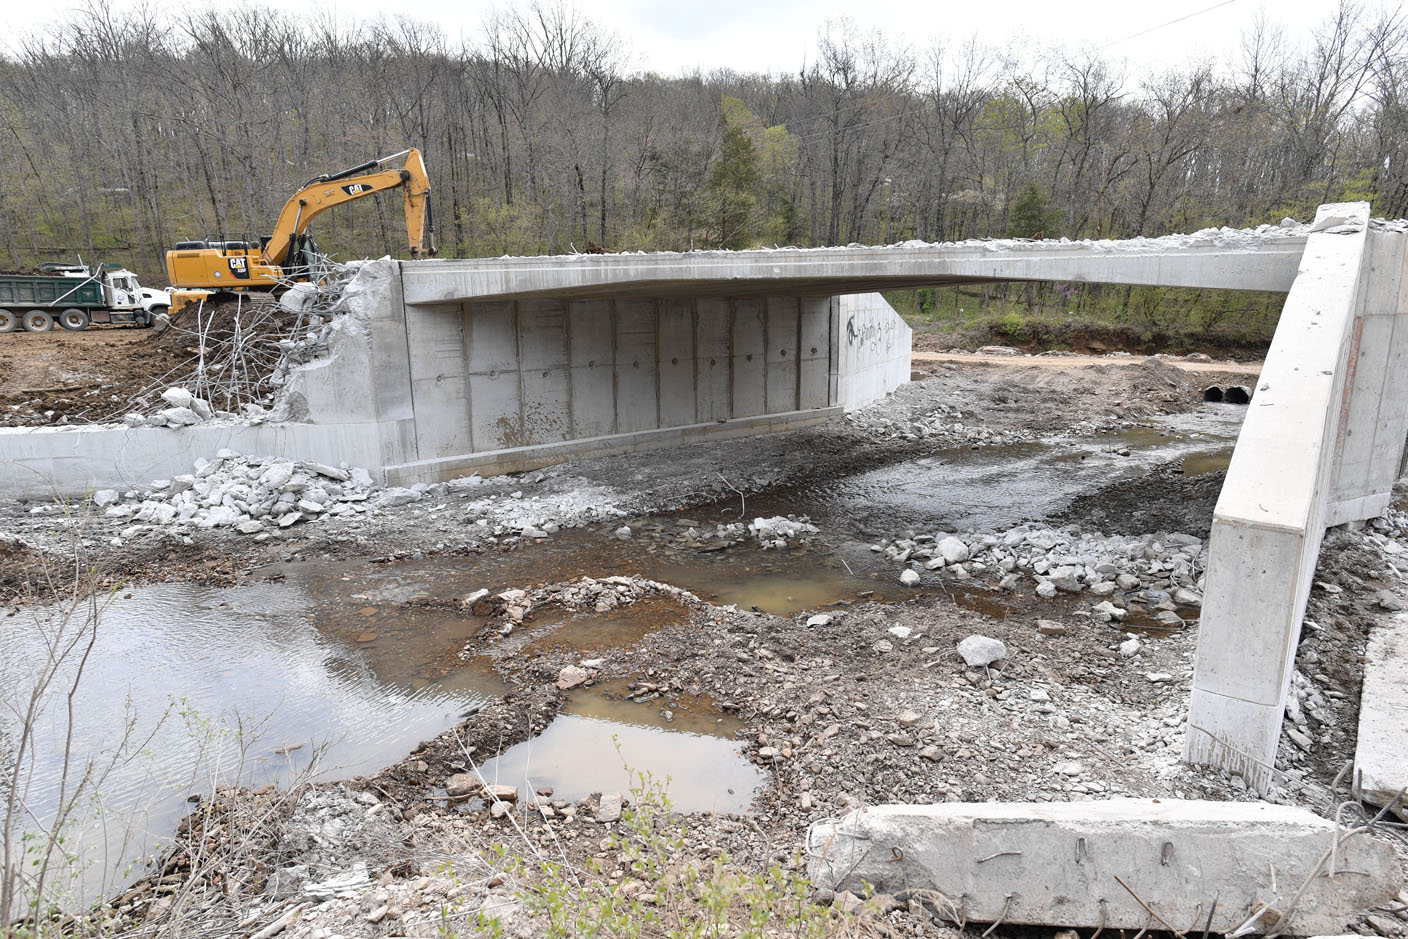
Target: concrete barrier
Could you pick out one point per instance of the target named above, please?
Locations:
(40, 463)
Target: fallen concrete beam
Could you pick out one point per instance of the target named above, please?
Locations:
(1380, 759)
(1057, 864)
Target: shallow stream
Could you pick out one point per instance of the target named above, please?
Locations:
(321, 670)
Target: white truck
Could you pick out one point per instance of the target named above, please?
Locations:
(76, 296)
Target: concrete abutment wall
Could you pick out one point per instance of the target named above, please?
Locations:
(521, 373)
(423, 393)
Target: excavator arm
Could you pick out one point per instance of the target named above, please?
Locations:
(198, 268)
(325, 192)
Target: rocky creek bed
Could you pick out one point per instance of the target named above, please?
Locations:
(858, 697)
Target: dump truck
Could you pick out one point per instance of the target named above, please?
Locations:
(76, 296)
(227, 264)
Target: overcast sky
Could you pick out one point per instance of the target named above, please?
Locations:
(780, 35)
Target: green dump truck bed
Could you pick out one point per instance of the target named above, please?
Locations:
(18, 291)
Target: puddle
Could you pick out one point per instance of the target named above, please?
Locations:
(1200, 464)
(600, 739)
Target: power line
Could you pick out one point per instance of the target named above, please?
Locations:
(1154, 29)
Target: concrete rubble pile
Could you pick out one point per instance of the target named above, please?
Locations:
(252, 496)
(776, 532)
(780, 532)
(1163, 570)
(184, 409)
(602, 595)
(945, 423)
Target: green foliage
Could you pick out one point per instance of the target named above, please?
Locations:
(733, 204)
(1032, 215)
(1364, 187)
(1013, 325)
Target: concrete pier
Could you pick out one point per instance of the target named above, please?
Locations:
(1320, 445)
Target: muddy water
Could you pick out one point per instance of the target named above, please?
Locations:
(602, 742)
(997, 487)
(328, 672)
(214, 686)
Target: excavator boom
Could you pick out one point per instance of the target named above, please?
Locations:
(235, 265)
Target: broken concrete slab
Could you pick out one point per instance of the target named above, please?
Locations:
(1380, 760)
(1056, 863)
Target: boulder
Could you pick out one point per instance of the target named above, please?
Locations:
(608, 808)
(396, 496)
(461, 785)
(953, 550)
(177, 397)
(179, 417)
(978, 651)
(571, 676)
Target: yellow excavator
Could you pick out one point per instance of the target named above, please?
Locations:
(201, 269)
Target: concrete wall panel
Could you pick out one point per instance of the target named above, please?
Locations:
(547, 405)
(815, 354)
(593, 384)
(713, 344)
(873, 344)
(495, 402)
(542, 328)
(439, 390)
(496, 418)
(545, 383)
(781, 380)
(676, 363)
(749, 357)
(637, 394)
(491, 336)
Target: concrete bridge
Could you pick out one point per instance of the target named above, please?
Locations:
(440, 368)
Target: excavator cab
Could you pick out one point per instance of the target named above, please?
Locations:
(289, 254)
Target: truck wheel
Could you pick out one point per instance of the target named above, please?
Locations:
(37, 321)
(75, 319)
(159, 317)
(9, 322)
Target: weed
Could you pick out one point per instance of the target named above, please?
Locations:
(661, 890)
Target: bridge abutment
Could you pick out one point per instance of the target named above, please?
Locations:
(504, 385)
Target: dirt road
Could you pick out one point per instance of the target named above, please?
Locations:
(1079, 361)
(71, 373)
(46, 377)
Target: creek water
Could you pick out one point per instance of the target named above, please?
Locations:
(322, 669)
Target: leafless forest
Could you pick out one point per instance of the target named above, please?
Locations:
(125, 133)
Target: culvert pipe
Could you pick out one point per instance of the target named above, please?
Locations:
(1212, 393)
(1237, 394)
